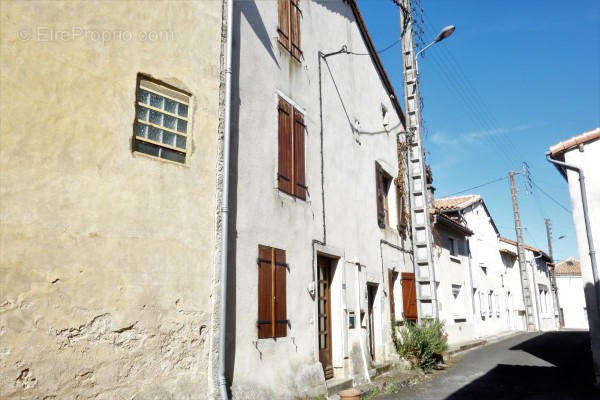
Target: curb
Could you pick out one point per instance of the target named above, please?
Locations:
(482, 342)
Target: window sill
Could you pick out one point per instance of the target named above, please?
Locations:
(455, 259)
(139, 153)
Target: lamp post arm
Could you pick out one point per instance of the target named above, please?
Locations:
(425, 48)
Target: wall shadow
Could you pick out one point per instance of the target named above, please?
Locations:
(570, 377)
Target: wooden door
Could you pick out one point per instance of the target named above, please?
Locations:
(409, 296)
(371, 292)
(324, 314)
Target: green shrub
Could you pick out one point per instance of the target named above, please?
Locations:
(422, 345)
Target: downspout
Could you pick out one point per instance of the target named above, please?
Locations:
(222, 380)
(360, 336)
(586, 218)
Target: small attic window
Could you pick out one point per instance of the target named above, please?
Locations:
(570, 263)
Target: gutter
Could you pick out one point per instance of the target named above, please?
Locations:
(221, 379)
(588, 229)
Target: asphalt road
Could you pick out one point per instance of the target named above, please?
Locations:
(540, 366)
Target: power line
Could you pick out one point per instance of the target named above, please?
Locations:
(377, 51)
(551, 198)
(478, 186)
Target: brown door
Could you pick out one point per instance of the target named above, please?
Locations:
(371, 292)
(409, 296)
(324, 312)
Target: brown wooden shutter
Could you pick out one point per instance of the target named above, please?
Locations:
(298, 160)
(265, 289)
(409, 296)
(280, 289)
(284, 23)
(284, 173)
(295, 15)
(391, 280)
(380, 195)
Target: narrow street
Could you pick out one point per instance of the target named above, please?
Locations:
(551, 365)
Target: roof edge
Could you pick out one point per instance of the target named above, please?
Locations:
(574, 141)
(375, 57)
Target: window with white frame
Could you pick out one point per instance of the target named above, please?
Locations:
(458, 308)
(453, 246)
(491, 302)
(162, 121)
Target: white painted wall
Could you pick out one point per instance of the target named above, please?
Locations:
(588, 160)
(452, 272)
(514, 293)
(289, 366)
(572, 301)
(485, 253)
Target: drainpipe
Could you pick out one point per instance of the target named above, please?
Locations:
(222, 380)
(360, 338)
(586, 218)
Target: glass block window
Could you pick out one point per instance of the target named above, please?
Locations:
(161, 122)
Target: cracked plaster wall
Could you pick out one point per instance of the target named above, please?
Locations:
(106, 257)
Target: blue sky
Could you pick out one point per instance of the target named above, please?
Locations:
(515, 78)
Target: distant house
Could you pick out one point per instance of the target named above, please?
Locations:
(570, 294)
(538, 275)
(453, 276)
(487, 293)
(576, 158)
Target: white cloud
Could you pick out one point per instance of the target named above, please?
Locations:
(444, 139)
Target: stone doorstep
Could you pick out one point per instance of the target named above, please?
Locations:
(335, 385)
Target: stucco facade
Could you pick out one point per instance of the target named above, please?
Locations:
(584, 152)
(350, 124)
(106, 264)
(494, 281)
(571, 295)
(487, 271)
(454, 280)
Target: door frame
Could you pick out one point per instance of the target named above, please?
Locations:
(336, 257)
(372, 289)
(324, 264)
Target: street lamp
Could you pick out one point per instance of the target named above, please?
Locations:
(444, 33)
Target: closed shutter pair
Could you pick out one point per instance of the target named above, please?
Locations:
(272, 315)
(291, 176)
(289, 26)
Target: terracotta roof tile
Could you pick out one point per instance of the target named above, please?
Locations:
(565, 145)
(453, 203)
(570, 266)
(526, 246)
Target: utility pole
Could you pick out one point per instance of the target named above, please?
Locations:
(551, 266)
(521, 256)
(427, 306)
